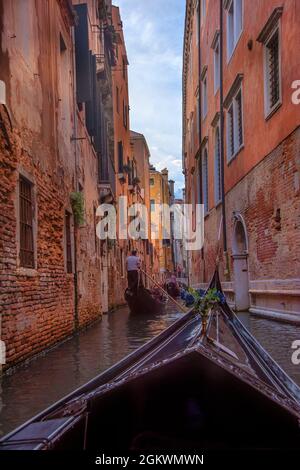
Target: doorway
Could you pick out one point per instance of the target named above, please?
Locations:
(240, 262)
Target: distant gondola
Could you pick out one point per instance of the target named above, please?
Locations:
(172, 289)
(182, 390)
(142, 302)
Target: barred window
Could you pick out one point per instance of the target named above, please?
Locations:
(68, 242)
(272, 72)
(26, 223)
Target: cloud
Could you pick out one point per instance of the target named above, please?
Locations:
(154, 36)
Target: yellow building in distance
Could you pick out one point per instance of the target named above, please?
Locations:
(161, 193)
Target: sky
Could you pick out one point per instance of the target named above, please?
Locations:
(154, 40)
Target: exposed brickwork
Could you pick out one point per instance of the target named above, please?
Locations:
(38, 305)
(274, 246)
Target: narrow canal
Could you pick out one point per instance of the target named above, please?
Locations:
(43, 381)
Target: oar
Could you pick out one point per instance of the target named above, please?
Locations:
(165, 292)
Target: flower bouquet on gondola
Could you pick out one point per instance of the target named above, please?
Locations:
(204, 302)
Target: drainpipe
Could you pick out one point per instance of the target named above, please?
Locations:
(76, 313)
(226, 270)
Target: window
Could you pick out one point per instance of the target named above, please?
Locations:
(124, 68)
(197, 23)
(234, 24)
(69, 263)
(218, 187)
(203, 10)
(198, 113)
(151, 181)
(124, 114)
(217, 65)
(26, 215)
(192, 135)
(122, 263)
(118, 100)
(205, 180)
(152, 205)
(204, 96)
(235, 130)
(272, 73)
(120, 156)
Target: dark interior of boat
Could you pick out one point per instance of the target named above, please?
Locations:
(190, 403)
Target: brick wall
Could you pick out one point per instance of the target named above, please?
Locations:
(268, 200)
(37, 306)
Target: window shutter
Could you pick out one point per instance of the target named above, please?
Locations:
(230, 132)
(82, 55)
(239, 118)
(91, 104)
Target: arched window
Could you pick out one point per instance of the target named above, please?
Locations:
(218, 187)
(205, 180)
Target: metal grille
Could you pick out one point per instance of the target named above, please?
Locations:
(26, 224)
(239, 118)
(273, 65)
(68, 242)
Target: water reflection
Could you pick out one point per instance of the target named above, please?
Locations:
(35, 386)
(277, 339)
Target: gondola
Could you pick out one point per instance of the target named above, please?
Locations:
(172, 289)
(142, 302)
(182, 390)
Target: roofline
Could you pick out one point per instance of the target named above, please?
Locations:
(138, 136)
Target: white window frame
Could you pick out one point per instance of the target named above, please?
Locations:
(236, 145)
(269, 111)
(217, 64)
(231, 45)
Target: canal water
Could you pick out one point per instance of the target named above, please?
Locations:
(48, 378)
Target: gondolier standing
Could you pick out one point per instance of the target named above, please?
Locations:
(133, 264)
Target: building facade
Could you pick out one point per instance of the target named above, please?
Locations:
(161, 194)
(241, 149)
(140, 190)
